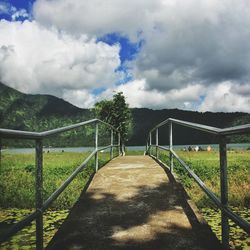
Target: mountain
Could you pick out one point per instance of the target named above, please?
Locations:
(42, 112)
(25, 111)
(146, 119)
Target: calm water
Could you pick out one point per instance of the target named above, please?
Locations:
(235, 146)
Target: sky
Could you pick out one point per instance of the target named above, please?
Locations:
(192, 54)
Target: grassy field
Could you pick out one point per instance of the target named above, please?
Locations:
(17, 174)
(206, 166)
(17, 193)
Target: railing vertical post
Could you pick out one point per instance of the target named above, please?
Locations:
(150, 142)
(0, 152)
(119, 143)
(156, 142)
(39, 194)
(171, 146)
(224, 192)
(111, 144)
(96, 147)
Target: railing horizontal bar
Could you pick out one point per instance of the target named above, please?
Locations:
(18, 134)
(107, 124)
(47, 203)
(209, 129)
(66, 128)
(237, 219)
(106, 147)
(197, 126)
(103, 148)
(242, 129)
(162, 147)
(18, 226)
(198, 180)
(10, 133)
(231, 215)
(165, 165)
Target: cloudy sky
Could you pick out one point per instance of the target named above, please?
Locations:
(192, 54)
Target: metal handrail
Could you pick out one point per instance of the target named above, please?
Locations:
(222, 203)
(40, 205)
(209, 129)
(10, 133)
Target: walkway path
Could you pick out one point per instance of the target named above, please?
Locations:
(133, 203)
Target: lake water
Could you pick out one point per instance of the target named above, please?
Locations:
(235, 146)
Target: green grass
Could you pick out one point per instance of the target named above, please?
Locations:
(206, 166)
(17, 174)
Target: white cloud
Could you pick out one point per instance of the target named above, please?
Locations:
(224, 98)
(19, 13)
(187, 43)
(96, 17)
(80, 98)
(35, 59)
(138, 94)
(191, 48)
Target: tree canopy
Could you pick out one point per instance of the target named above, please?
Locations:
(117, 113)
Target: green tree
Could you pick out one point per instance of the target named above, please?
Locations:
(117, 113)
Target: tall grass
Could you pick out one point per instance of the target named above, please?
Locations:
(206, 166)
(17, 175)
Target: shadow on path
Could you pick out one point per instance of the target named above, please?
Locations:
(153, 215)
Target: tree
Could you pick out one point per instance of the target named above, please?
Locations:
(117, 113)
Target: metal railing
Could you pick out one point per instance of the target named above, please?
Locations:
(221, 203)
(40, 205)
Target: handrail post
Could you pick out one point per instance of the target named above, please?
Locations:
(150, 142)
(111, 144)
(96, 146)
(156, 142)
(224, 192)
(171, 146)
(119, 143)
(0, 152)
(39, 194)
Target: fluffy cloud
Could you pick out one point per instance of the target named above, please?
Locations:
(96, 17)
(35, 59)
(186, 43)
(195, 53)
(80, 97)
(227, 97)
(139, 94)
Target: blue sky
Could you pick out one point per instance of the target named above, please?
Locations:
(18, 4)
(161, 54)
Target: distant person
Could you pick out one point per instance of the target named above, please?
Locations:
(190, 148)
(209, 148)
(196, 149)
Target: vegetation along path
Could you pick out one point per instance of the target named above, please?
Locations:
(133, 203)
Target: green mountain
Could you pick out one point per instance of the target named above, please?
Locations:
(44, 112)
(146, 119)
(34, 112)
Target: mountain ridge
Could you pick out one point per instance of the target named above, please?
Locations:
(42, 112)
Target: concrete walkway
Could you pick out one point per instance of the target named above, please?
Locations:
(133, 203)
